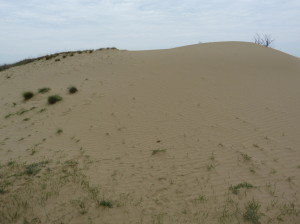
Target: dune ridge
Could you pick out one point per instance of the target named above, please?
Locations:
(206, 133)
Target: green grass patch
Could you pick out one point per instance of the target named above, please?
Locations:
(252, 213)
(210, 167)
(44, 90)
(28, 95)
(156, 151)
(2, 190)
(42, 110)
(46, 57)
(105, 203)
(245, 157)
(34, 168)
(235, 189)
(54, 99)
(72, 89)
(8, 115)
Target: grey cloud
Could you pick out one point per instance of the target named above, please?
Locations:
(39, 27)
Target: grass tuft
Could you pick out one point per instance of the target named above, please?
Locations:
(8, 115)
(210, 167)
(44, 90)
(105, 203)
(252, 213)
(28, 95)
(2, 190)
(235, 189)
(54, 99)
(158, 151)
(32, 169)
(246, 157)
(72, 89)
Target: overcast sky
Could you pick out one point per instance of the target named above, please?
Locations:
(30, 28)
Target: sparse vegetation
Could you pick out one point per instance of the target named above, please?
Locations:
(81, 205)
(273, 171)
(252, 213)
(156, 151)
(46, 57)
(23, 111)
(8, 115)
(252, 170)
(42, 110)
(34, 168)
(105, 203)
(11, 163)
(54, 99)
(23, 62)
(72, 89)
(59, 131)
(290, 209)
(210, 167)
(201, 198)
(271, 188)
(28, 95)
(44, 90)
(245, 157)
(26, 187)
(290, 179)
(2, 189)
(212, 157)
(235, 189)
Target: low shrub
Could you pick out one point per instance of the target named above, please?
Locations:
(54, 99)
(28, 95)
(105, 203)
(44, 90)
(72, 89)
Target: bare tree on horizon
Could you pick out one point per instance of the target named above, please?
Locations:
(263, 39)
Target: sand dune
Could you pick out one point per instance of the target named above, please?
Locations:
(206, 133)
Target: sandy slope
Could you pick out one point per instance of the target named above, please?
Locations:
(162, 135)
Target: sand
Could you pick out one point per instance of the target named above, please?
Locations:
(205, 133)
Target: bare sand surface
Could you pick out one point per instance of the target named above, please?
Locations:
(207, 133)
